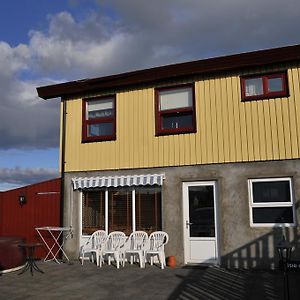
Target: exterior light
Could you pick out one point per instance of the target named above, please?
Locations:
(284, 249)
(22, 200)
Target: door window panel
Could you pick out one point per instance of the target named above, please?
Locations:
(201, 211)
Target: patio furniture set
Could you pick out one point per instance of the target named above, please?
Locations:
(117, 246)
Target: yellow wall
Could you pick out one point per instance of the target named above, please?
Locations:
(228, 130)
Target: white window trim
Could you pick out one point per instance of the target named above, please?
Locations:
(270, 204)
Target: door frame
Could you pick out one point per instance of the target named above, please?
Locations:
(185, 186)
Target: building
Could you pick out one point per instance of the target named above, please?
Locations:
(206, 150)
(25, 208)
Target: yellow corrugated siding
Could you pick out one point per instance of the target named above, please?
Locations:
(294, 110)
(228, 130)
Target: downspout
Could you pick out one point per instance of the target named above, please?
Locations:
(62, 162)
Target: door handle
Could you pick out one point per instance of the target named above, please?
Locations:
(187, 224)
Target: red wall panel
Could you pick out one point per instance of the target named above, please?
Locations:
(42, 208)
(1, 212)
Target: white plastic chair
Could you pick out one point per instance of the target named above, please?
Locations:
(93, 246)
(157, 241)
(113, 248)
(137, 244)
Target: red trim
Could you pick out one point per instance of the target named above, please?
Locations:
(86, 123)
(182, 111)
(265, 78)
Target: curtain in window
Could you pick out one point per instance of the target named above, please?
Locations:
(120, 211)
(93, 212)
(253, 87)
(148, 209)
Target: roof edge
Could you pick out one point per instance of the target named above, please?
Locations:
(197, 67)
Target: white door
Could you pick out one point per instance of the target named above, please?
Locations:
(199, 217)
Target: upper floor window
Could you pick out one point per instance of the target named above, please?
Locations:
(264, 86)
(99, 119)
(271, 202)
(175, 110)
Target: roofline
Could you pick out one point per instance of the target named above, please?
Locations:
(152, 75)
(32, 184)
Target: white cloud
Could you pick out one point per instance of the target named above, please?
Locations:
(24, 176)
(13, 60)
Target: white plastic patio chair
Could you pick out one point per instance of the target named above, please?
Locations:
(137, 244)
(93, 246)
(113, 247)
(157, 242)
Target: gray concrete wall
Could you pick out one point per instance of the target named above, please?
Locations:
(240, 245)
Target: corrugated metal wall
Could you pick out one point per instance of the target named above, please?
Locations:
(228, 130)
(42, 209)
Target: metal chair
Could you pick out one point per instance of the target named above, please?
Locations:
(113, 247)
(157, 241)
(137, 244)
(93, 246)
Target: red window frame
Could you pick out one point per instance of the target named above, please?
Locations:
(265, 79)
(86, 122)
(183, 111)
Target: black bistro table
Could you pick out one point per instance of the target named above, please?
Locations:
(30, 260)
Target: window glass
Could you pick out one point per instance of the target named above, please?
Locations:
(93, 212)
(271, 202)
(177, 98)
(275, 85)
(173, 121)
(175, 111)
(148, 209)
(100, 108)
(99, 121)
(201, 211)
(253, 87)
(265, 86)
(273, 215)
(120, 210)
(276, 191)
(100, 129)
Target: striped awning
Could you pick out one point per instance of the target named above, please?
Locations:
(115, 181)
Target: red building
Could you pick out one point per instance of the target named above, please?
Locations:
(40, 207)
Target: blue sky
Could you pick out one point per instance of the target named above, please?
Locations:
(50, 41)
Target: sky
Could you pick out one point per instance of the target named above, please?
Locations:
(45, 42)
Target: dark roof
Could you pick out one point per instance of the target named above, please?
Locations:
(152, 75)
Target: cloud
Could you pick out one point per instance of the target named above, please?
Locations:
(123, 36)
(135, 34)
(198, 29)
(26, 121)
(20, 177)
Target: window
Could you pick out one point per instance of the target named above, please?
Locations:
(264, 86)
(122, 209)
(175, 110)
(99, 119)
(148, 212)
(271, 202)
(93, 212)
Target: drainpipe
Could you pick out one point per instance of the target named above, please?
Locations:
(62, 162)
(62, 169)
